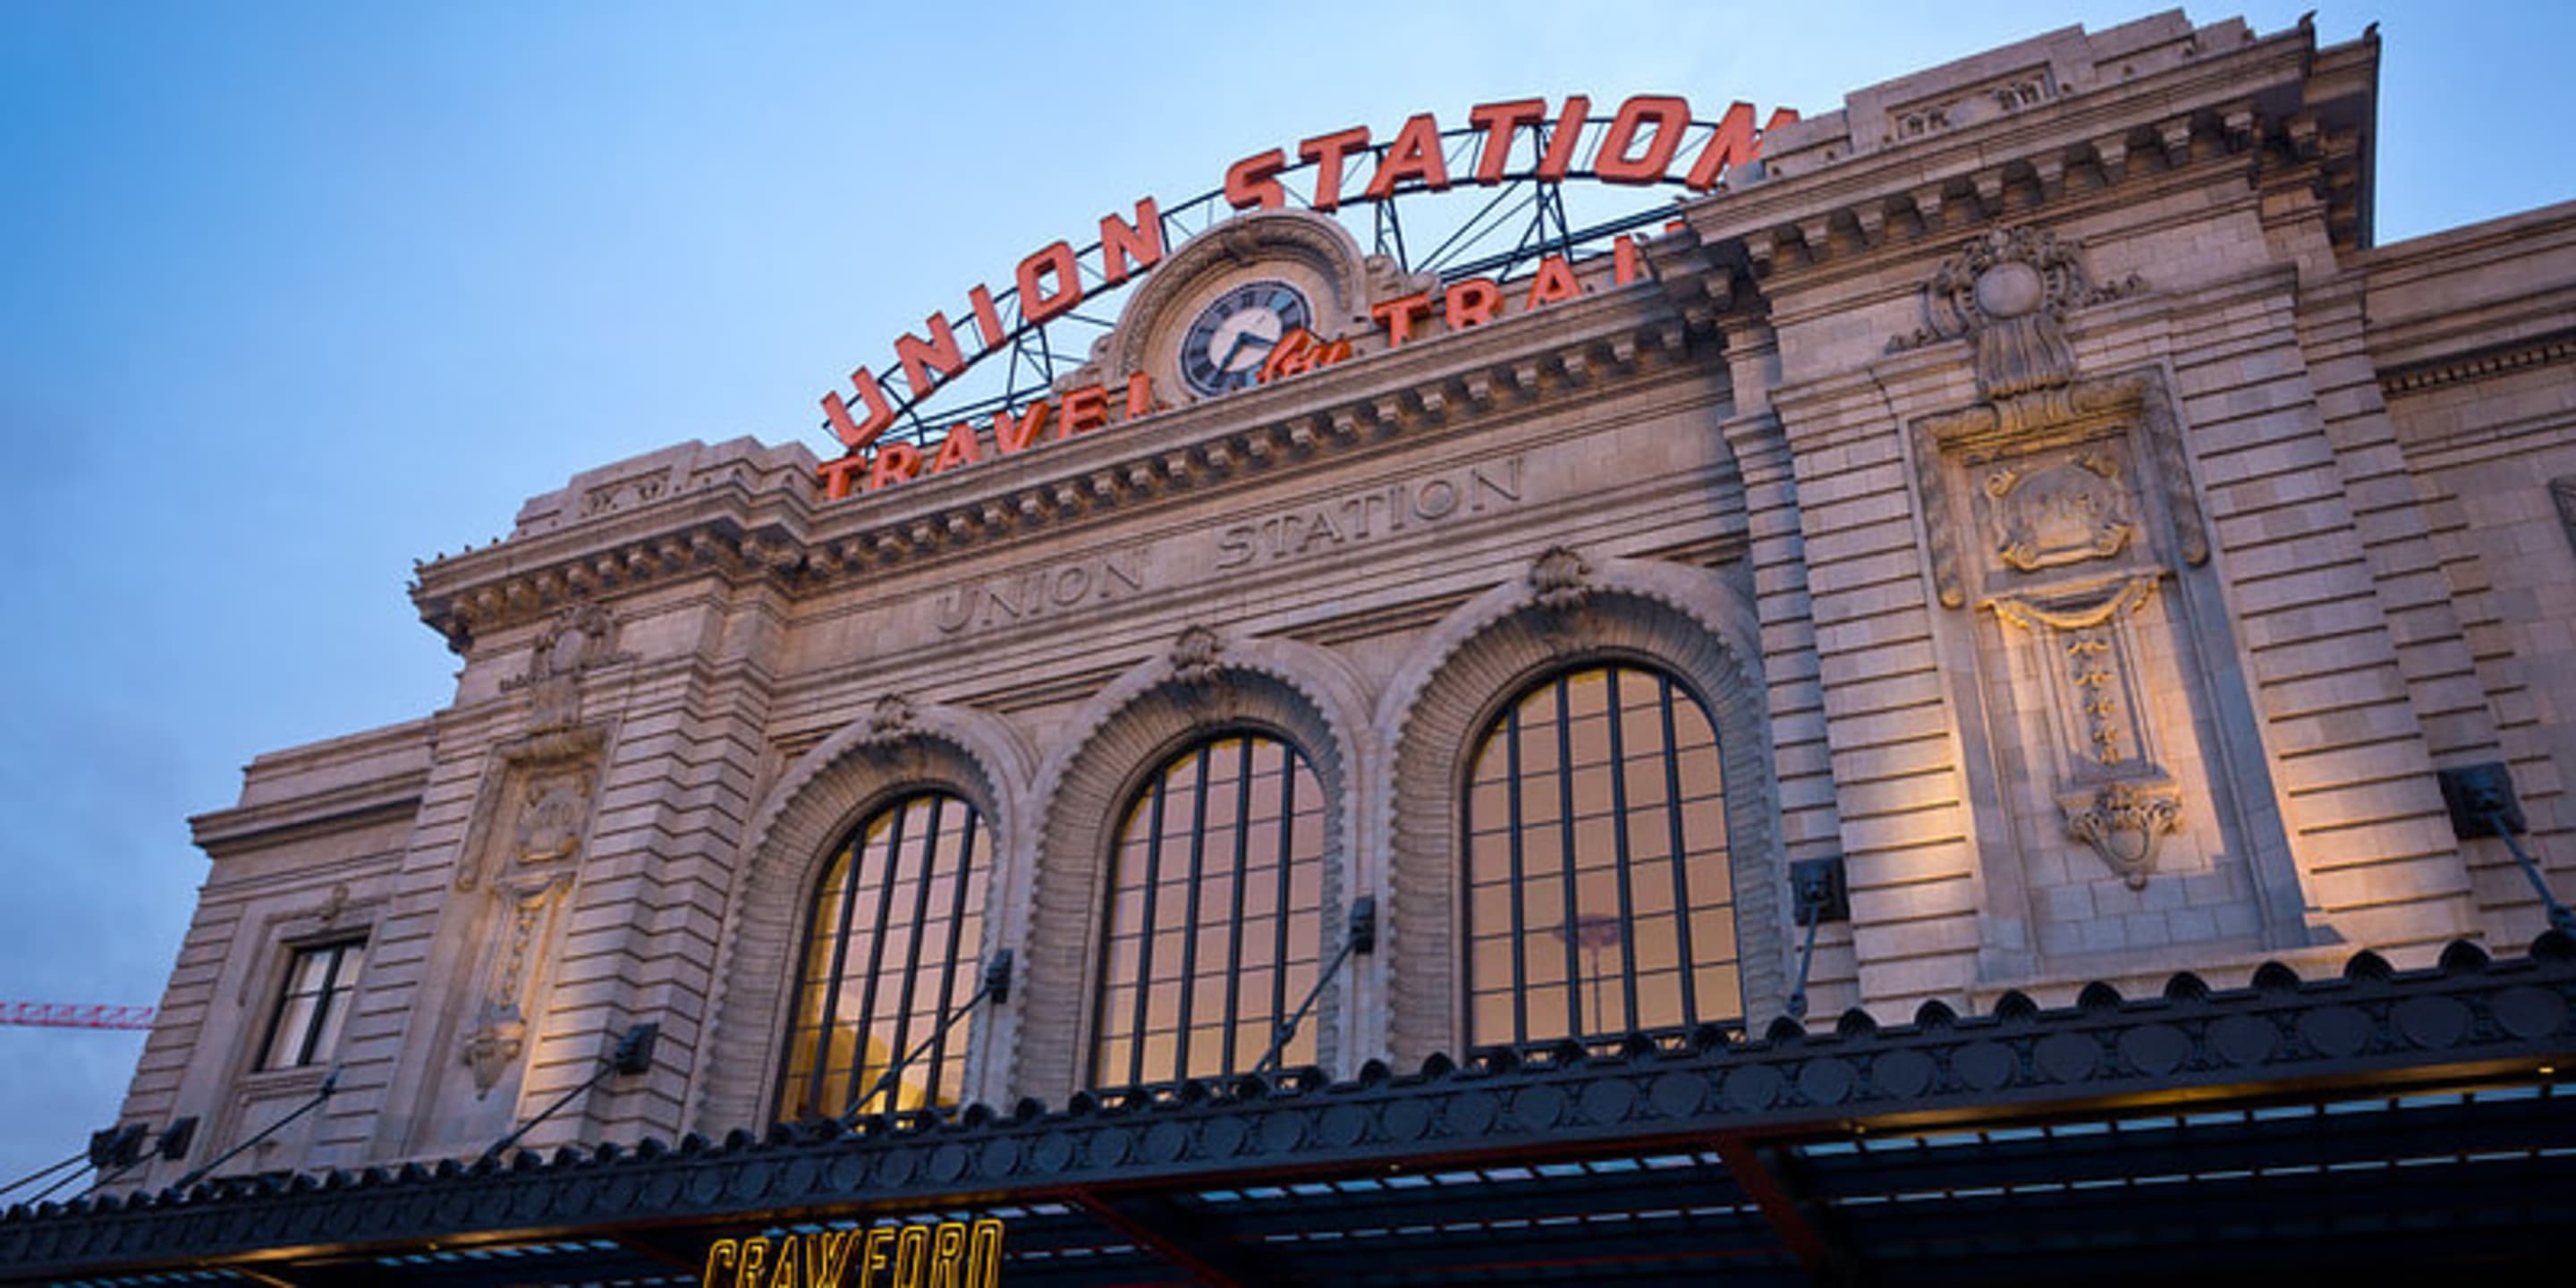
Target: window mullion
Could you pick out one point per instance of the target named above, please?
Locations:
(1242, 823)
(1619, 841)
(1573, 930)
(1190, 915)
(1145, 936)
(313, 1020)
(1288, 760)
(859, 1081)
(956, 945)
(852, 859)
(1682, 905)
(912, 970)
(1520, 906)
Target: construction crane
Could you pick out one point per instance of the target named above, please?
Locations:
(76, 1015)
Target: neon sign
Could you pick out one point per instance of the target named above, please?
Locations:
(949, 1254)
(1641, 144)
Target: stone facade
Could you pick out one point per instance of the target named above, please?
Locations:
(2070, 521)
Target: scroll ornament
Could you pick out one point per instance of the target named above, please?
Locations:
(2125, 823)
(1559, 579)
(1197, 656)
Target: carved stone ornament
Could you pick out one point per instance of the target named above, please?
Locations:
(894, 719)
(2103, 733)
(1197, 656)
(1559, 579)
(493, 1047)
(2061, 512)
(550, 824)
(500, 1027)
(2125, 823)
(2009, 291)
(2030, 424)
(581, 638)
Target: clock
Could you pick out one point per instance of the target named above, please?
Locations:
(1230, 339)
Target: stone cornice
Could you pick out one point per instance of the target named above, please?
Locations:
(788, 535)
(2479, 364)
(2276, 100)
(222, 833)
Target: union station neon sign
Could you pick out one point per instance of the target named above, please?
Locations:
(1640, 145)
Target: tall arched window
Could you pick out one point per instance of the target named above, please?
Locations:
(895, 927)
(1598, 898)
(1215, 914)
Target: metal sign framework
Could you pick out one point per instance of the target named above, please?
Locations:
(1521, 220)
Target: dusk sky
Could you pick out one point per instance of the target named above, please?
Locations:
(292, 295)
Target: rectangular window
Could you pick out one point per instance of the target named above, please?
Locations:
(314, 1004)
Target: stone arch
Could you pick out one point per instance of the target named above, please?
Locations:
(1687, 621)
(827, 791)
(1204, 686)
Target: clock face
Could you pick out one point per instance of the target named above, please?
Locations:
(1235, 333)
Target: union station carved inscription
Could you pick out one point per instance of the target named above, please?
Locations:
(1370, 513)
(1289, 532)
(1055, 588)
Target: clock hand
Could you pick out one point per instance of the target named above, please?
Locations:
(1241, 338)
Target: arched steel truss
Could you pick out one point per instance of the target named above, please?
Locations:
(1521, 218)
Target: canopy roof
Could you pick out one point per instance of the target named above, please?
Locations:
(2378, 1117)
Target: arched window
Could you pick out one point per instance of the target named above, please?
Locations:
(1599, 899)
(895, 927)
(1215, 914)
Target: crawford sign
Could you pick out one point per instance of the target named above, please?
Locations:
(1641, 144)
(948, 1254)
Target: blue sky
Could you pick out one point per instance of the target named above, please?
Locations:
(293, 294)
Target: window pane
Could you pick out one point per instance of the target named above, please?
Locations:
(895, 928)
(1240, 838)
(313, 1005)
(1580, 775)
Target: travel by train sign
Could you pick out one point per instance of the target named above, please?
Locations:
(1650, 139)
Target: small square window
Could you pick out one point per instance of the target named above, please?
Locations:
(314, 1005)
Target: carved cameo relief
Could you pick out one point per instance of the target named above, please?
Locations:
(535, 806)
(557, 807)
(2060, 511)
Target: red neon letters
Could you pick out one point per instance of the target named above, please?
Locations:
(1641, 146)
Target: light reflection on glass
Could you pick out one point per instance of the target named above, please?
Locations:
(894, 929)
(1210, 852)
(1579, 920)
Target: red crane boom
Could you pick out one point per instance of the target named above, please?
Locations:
(76, 1015)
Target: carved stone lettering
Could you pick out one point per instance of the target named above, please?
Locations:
(1356, 518)
(1035, 594)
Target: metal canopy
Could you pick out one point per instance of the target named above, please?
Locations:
(2365, 1121)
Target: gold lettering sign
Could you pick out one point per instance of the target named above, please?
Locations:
(949, 1254)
